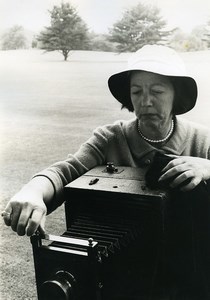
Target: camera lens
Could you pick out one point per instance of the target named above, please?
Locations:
(59, 287)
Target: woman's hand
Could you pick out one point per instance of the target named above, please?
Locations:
(26, 211)
(195, 169)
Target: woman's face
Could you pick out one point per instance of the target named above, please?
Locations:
(152, 96)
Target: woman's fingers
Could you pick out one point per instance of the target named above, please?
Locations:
(191, 185)
(11, 215)
(6, 214)
(173, 163)
(184, 178)
(23, 219)
(174, 169)
(25, 216)
(185, 170)
(15, 216)
(37, 218)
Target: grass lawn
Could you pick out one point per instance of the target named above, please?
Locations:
(48, 107)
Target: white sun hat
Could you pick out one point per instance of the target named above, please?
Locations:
(160, 60)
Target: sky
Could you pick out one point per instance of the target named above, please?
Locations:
(99, 15)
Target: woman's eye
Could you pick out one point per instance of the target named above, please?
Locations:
(157, 91)
(137, 92)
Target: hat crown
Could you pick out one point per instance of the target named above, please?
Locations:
(157, 59)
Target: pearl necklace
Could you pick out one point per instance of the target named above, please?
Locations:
(157, 141)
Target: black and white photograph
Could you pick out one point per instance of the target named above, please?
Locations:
(105, 149)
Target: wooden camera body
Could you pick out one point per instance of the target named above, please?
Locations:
(120, 242)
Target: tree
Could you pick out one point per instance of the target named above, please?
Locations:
(206, 35)
(100, 42)
(139, 25)
(67, 31)
(193, 41)
(14, 39)
(34, 42)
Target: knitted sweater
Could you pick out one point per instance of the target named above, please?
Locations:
(121, 144)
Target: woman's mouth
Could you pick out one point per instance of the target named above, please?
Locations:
(149, 115)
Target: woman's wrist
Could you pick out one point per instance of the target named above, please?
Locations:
(43, 186)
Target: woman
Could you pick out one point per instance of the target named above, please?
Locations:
(156, 87)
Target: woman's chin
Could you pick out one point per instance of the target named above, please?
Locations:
(149, 123)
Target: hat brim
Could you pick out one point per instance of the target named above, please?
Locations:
(119, 85)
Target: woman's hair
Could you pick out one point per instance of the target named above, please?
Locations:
(178, 88)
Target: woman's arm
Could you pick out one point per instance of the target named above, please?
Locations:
(26, 211)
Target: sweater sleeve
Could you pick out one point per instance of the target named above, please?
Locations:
(90, 154)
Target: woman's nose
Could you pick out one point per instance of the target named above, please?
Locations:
(146, 100)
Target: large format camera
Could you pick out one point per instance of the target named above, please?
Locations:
(124, 241)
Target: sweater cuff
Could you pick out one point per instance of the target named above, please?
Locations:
(57, 183)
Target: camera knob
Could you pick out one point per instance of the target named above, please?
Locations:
(110, 167)
(60, 287)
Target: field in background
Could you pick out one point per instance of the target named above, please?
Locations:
(48, 107)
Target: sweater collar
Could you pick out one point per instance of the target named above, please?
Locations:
(177, 142)
(139, 147)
